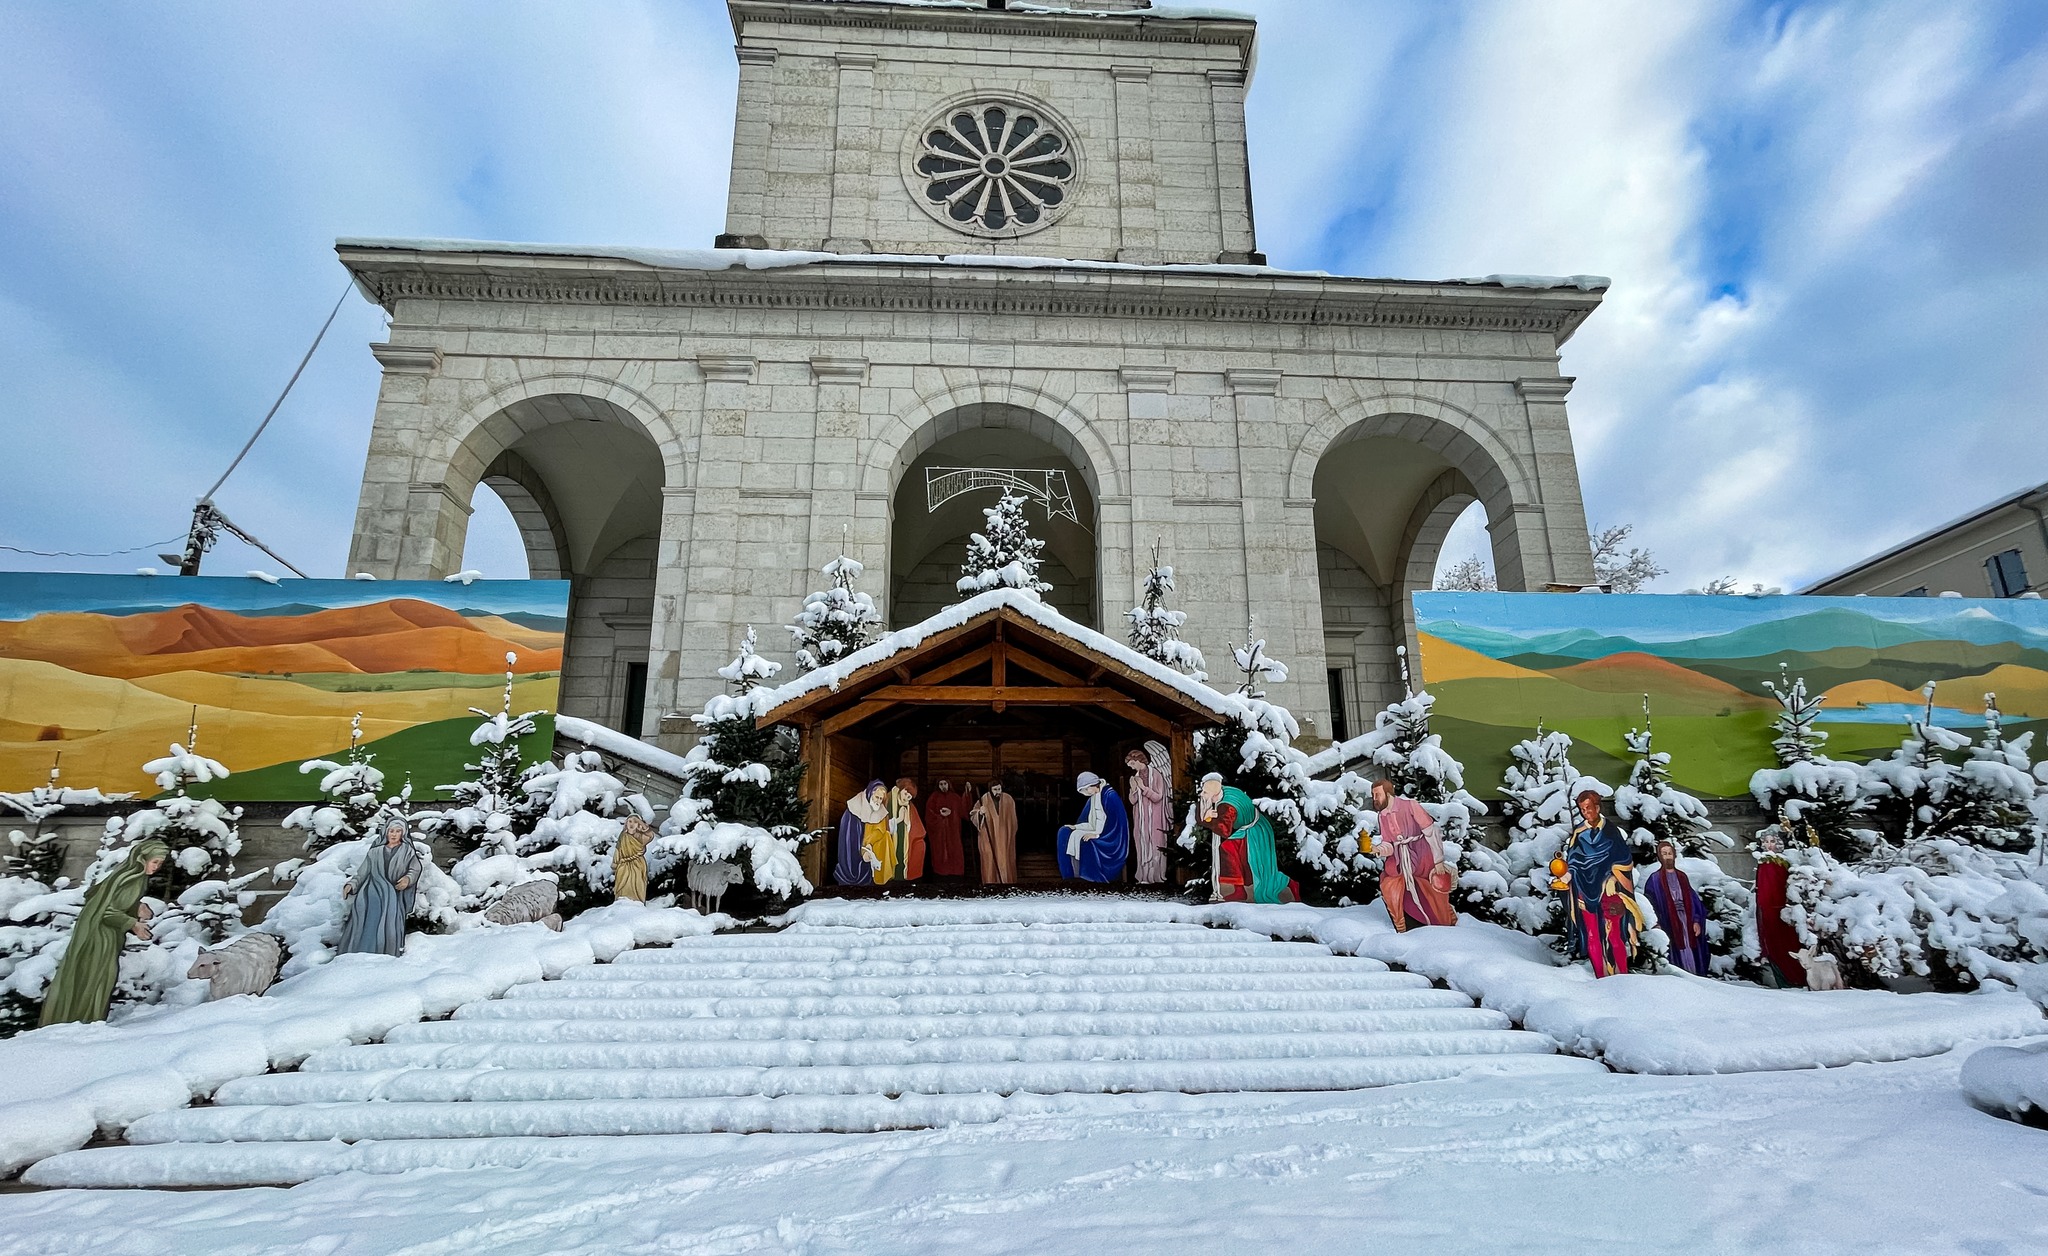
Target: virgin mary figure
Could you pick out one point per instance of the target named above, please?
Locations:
(863, 835)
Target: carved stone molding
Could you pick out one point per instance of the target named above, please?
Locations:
(1146, 379)
(1258, 381)
(726, 368)
(839, 370)
(1545, 388)
(406, 359)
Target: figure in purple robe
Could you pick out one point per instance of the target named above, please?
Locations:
(1680, 910)
(1095, 847)
(861, 830)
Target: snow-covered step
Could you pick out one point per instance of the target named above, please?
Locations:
(1142, 935)
(639, 1114)
(387, 1057)
(1416, 1003)
(1218, 970)
(1016, 952)
(1004, 983)
(1249, 999)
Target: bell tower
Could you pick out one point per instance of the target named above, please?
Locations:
(1104, 132)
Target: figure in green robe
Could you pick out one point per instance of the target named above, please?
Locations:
(84, 984)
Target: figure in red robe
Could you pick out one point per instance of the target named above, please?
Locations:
(1778, 940)
(943, 812)
(1679, 910)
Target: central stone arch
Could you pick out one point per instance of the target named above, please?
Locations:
(998, 428)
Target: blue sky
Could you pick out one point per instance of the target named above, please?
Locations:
(1827, 226)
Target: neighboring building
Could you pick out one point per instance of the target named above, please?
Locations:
(1016, 244)
(1999, 550)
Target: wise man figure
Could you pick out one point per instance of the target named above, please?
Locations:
(84, 984)
(629, 861)
(906, 834)
(1776, 938)
(1243, 864)
(381, 893)
(995, 832)
(943, 812)
(863, 836)
(1679, 909)
(1151, 782)
(1095, 847)
(1602, 870)
(1415, 879)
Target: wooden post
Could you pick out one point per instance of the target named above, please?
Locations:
(818, 793)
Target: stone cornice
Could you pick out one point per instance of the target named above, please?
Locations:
(1137, 24)
(399, 273)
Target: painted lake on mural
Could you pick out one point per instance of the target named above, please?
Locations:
(1500, 662)
(108, 671)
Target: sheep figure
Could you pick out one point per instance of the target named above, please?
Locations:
(708, 883)
(1823, 971)
(529, 902)
(247, 965)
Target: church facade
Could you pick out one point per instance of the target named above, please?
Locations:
(969, 249)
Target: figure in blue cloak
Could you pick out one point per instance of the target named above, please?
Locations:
(1095, 847)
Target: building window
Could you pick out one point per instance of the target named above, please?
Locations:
(2008, 574)
(994, 168)
(1340, 720)
(633, 702)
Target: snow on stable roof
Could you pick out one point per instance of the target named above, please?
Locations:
(783, 259)
(629, 748)
(763, 702)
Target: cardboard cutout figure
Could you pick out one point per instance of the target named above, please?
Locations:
(380, 894)
(629, 861)
(1095, 847)
(906, 836)
(1778, 940)
(863, 836)
(1679, 910)
(1415, 879)
(84, 982)
(1151, 783)
(995, 829)
(1602, 869)
(1244, 866)
(943, 812)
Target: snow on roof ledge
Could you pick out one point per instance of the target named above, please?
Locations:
(764, 701)
(1584, 283)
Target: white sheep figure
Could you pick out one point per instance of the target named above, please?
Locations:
(529, 902)
(247, 965)
(708, 883)
(1823, 971)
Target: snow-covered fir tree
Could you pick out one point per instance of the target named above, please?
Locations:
(582, 809)
(740, 818)
(203, 833)
(836, 620)
(1415, 764)
(1511, 886)
(490, 810)
(1258, 668)
(1654, 810)
(1990, 802)
(1004, 554)
(36, 853)
(1814, 795)
(354, 793)
(1921, 791)
(1155, 628)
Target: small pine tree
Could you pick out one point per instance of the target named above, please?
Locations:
(490, 810)
(36, 854)
(581, 808)
(1511, 886)
(1812, 793)
(201, 832)
(836, 620)
(742, 803)
(1004, 555)
(354, 790)
(1259, 668)
(1990, 801)
(1155, 630)
(1416, 765)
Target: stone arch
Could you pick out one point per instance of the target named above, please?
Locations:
(1050, 418)
(1495, 473)
(1422, 544)
(497, 422)
(526, 495)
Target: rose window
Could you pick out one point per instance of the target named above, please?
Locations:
(995, 168)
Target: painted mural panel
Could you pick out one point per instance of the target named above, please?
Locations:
(1499, 662)
(109, 670)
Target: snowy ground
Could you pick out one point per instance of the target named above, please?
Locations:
(1871, 1158)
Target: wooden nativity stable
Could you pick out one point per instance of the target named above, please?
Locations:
(998, 687)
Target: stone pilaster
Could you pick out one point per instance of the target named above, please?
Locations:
(746, 200)
(1551, 546)
(1238, 242)
(1137, 179)
(835, 466)
(853, 183)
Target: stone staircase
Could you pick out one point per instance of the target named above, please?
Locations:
(833, 1029)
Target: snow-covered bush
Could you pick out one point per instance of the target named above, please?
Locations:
(741, 803)
(1812, 793)
(1511, 886)
(836, 620)
(582, 807)
(490, 810)
(1920, 790)
(1004, 555)
(201, 832)
(1155, 630)
(34, 853)
(354, 790)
